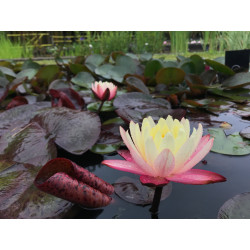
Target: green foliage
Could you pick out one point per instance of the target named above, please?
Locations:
(179, 41)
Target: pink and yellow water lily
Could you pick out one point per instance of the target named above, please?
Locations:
(165, 152)
(100, 90)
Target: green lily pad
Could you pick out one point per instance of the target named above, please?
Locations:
(198, 63)
(233, 144)
(105, 70)
(48, 73)
(29, 64)
(237, 207)
(83, 79)
(7, 71)
(170, 76)
(237, 81)
(152, 67)
(107, 106)
(29, 73)
(93, 61)
(105, 148)
(220, 67)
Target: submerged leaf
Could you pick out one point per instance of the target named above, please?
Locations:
(133, 191)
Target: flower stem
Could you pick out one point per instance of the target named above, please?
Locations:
(100, 107)
(156, 201)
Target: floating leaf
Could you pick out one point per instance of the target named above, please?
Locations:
(237, 207)
(187, 66)
(29, 64)
(245, 132)
(131, 190)
(27, 144)
(107, 106)
(19, 198)
(135, 83)
(73, 130)
(75, 68)
(7, 71)
(48, 73)
(66, 97)
(238, 80)
(93, 61)
(59, 84)
(152, 67)
(220, 67)
(208, 77)
(138, 115)
(105, 71)
(105, 148)
(233, 144)
(198, 63)
(170, 76)
(17, 101)
(140, 101)
(29, 73)
(65, 179)
(83, 79)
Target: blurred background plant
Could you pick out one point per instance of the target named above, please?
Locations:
(81, 43)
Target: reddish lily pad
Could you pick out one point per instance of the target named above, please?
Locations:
(73, 130)
(27, 144)
(65, 179)
(133, 191)
(66, 97)
(17, 101)
(19, 198)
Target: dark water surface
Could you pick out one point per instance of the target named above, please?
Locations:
(185, 201)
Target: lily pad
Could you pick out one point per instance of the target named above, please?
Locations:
(19, 198)
(152, 67)
(135, 83)
(140, 101)
(131, 190)
(105, 70)
(83, 79)
(27, 144)
(198, 64)
(29, 64)
(105, 148)
(245, 132)
(59, 84)
(66, 97)
(233, 144)
(221, 68)
(107, 106)
(73, 130)
(237, 207)
(170, 76)
(93, 61)
(7, 71)
(29, 73)
(237, 81)
(48, 73)
(17, 101)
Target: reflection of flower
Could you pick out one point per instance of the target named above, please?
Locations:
(165, 152)
(100, 90)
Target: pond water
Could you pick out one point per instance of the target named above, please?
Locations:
(185, 201)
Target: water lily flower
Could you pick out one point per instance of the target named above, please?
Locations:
(164, 42)
(165, 152)
(104, 90)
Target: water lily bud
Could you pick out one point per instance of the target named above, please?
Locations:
(105, 91)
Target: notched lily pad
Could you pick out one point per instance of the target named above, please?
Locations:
(237, 207)
(75, 131)
(233, 144)
(131, 190)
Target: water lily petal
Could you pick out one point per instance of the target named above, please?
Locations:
(198, 155)
(124, 166)
(126, 155)
(164, 163)
(198, 177)
(150, 151)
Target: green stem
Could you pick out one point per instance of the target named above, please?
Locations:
(156, 202)
(100, 107)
